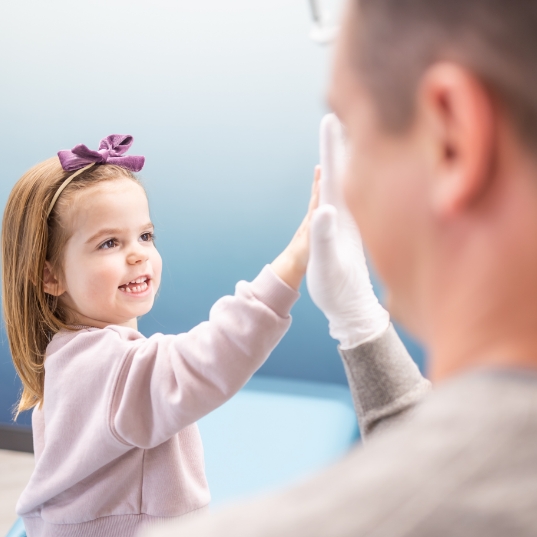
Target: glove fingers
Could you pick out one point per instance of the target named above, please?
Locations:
(323, 229)
(351, 235)
(333, 160)
(323, 268)
(324, 253)
(332, 236)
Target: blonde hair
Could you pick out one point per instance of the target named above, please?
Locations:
(29, 238)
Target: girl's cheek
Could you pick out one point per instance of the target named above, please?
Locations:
(157, 263)
(105, 271)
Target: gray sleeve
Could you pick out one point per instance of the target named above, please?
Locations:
(384, 381)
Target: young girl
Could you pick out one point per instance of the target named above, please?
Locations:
(116, 444)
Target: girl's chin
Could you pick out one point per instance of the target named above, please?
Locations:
(142, 309)
(120, 313)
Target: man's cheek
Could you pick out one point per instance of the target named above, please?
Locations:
(357, 191)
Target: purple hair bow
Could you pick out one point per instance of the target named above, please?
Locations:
(111, 151)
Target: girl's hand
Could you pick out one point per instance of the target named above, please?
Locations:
(292, 263)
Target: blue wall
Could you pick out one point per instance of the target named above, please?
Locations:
(223, 97)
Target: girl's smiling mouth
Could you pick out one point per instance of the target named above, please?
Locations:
(137, 286)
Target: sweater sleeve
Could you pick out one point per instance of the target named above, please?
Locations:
(169, 381)
(384, 381)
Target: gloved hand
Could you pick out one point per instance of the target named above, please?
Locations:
(337, 276)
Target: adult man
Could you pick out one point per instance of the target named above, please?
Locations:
(441, 118)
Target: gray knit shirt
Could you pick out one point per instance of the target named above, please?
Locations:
(458, 461)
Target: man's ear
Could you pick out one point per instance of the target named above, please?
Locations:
(51, 285)
(460, 120)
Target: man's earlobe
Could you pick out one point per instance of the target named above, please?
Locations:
(461, 118)
(51, 285)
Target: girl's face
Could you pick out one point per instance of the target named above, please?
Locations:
(112, 269)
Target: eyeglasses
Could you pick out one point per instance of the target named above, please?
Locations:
(326, 15)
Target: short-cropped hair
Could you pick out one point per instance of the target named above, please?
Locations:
(397, 40)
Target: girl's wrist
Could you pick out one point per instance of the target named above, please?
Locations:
(289, 270)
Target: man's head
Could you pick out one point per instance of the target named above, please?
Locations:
(393, 42)
(439, 105)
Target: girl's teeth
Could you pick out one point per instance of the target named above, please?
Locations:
(135, 288)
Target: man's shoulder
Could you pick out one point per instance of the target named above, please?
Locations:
(463, 462)
(481, 415)
(465, 456)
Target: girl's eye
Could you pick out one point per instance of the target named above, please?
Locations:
(147, 237)
(110, 243)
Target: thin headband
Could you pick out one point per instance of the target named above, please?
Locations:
(63, 185)
(111, 151)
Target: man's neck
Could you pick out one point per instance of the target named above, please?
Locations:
(484, 295)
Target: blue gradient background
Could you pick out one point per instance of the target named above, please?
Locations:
(223, 98)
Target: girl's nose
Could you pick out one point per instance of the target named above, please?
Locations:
(137, 255)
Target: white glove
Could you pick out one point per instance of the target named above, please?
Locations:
(337, 276)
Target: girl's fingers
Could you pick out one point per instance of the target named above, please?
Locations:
(313, 203)
(315, 190)
(316, 175)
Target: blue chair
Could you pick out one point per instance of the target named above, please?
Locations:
(17, 530)
(272, 433)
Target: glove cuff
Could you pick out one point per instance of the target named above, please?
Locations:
(358, 329)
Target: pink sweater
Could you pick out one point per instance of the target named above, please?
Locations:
(116, 443)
